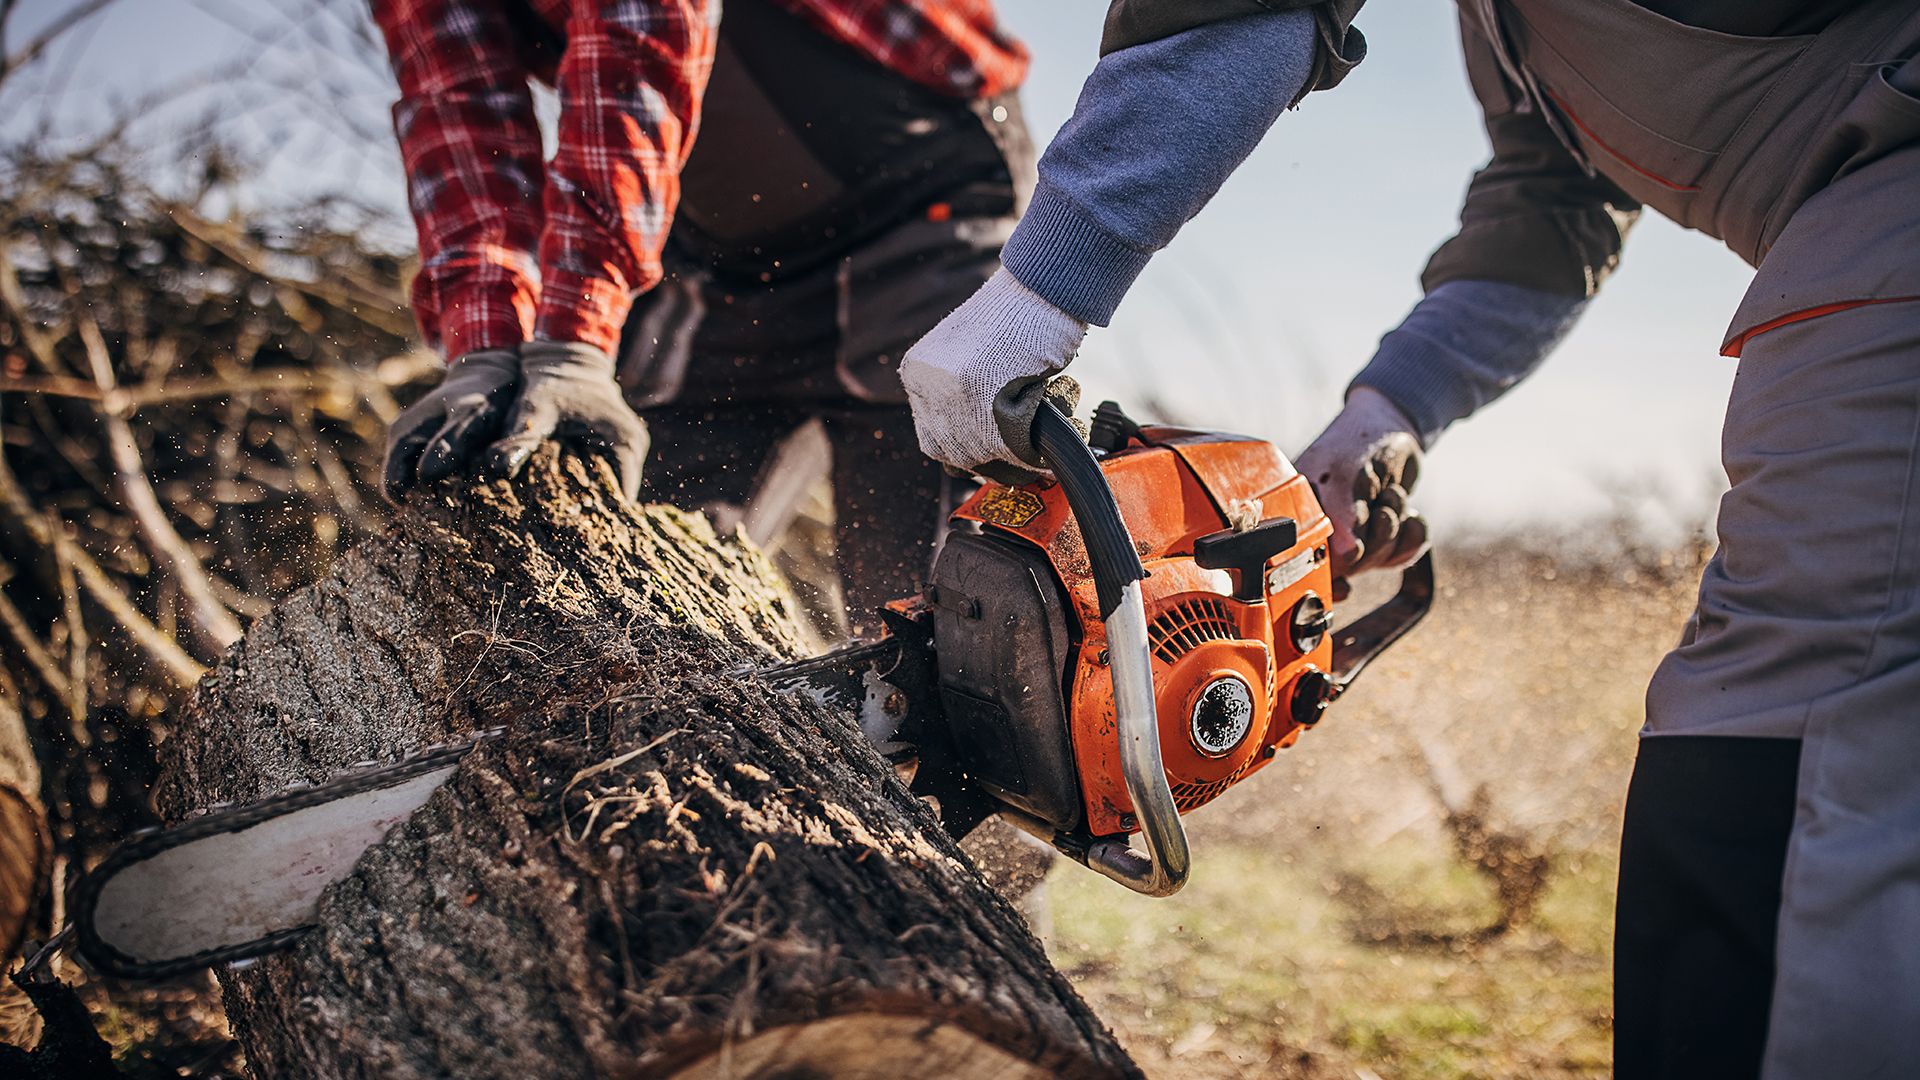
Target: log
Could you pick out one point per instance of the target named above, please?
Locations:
(26, 865)
(662, 869)
(26, 848)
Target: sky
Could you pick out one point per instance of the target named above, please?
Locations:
(1252, 321)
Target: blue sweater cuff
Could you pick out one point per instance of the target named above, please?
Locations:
(1421, 378)
(1059, 251)
(1463, 345)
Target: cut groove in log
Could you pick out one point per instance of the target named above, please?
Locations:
(660, 870)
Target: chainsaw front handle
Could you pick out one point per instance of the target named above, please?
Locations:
(1117, 573)
(1356, 644)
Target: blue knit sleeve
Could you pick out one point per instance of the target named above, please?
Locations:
(1464, 345)
(1158, 128)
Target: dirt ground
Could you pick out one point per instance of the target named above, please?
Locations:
(1332, 929)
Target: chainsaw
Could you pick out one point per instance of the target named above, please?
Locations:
(1099, 653)
(1095, 654)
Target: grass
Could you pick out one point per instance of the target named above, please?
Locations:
(1308, 969)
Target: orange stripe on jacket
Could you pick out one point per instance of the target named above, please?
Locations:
(1732, 348)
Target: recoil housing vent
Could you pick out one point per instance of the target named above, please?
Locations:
(1188, 625)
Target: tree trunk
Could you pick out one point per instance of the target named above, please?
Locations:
(664, 869)
(26, 862)
(26, 850)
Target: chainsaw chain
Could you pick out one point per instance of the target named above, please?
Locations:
(782, 675)
(220, 819)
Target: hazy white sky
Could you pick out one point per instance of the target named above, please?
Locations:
(1255, 318)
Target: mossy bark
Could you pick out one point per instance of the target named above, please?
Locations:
(664, 868)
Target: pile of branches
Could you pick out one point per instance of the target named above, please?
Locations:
(191, 418)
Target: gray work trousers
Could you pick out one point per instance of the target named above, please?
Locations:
(1808, 627)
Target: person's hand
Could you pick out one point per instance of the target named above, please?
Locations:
(1362, 467)
(977, 379)
(435, 435)
(568, 392)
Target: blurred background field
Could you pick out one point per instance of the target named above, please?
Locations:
(1342, 921)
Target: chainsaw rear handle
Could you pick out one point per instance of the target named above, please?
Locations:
(1117, 573)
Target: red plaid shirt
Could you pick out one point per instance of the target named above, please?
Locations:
(512, 247)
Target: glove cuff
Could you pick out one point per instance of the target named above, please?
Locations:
(1025, 317)
(1378, 411)
(574, 355)
(489, 366)
(488, 358)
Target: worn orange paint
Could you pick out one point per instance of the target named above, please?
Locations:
(1174, 487)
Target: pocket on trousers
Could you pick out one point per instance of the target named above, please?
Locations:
(1882, 118)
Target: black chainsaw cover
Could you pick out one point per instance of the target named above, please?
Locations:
(1004, 645)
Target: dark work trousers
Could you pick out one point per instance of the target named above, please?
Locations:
(831, 214)
(890, 501)
(1701, 857)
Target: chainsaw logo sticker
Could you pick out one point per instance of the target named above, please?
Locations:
(1009, 508)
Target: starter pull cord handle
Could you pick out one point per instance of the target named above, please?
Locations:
(1117, 573)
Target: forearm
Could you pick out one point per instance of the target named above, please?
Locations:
(1464, 345)
(1533, 216)
(630, 84)
(471, 149)
(1158, 129)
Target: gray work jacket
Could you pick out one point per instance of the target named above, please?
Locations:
(1597, 107)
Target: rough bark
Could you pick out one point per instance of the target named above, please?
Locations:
(663, 869)
(26, 849)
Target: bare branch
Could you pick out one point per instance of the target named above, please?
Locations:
(184, 669)
(394, 371)
(77, 645)
(13, 61)
(30, 644)
(210, 616)
(39, 345)
(53, 385)
(366, 302)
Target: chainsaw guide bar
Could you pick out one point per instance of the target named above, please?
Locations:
(255, 871)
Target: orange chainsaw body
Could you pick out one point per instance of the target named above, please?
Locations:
(1226, 669)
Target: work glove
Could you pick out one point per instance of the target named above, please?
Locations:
(568, 392)
(977, 379)
(435, 435)
(1362, 468)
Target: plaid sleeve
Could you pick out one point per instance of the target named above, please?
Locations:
(630, 84)
(471, 148)
(951, 46)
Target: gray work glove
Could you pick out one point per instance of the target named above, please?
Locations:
(568, 392)
(1362, 468)
(435, 435)
(977, 379)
